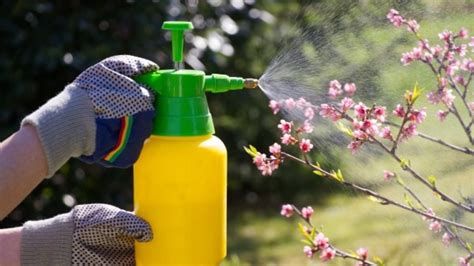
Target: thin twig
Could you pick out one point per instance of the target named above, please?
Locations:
(383, 199)
(338, 251)
(465, 150)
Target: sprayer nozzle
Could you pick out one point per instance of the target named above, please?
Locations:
(250, 83)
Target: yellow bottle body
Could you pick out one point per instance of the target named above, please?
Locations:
(180, 189)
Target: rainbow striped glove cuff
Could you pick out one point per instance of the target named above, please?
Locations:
(102, 117)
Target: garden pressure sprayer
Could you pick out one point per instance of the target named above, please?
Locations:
(180, 177)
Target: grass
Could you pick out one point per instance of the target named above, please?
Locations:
(350, 220)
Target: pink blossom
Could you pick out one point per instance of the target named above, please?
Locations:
(286, 210)
(321, 241)
(409, 131)
(334, 89)
(275, 149)
(308, 251)
(464, 262)
(412, 25)
(309, 113)
(471, 106)
(460, 50)
(275, 106)
(416, 53)
(445, 35)
(449, 56)
(346, 104)
(395, 18)
(307, 127)
(424, 44)
(435, 226)
(451, 69)
(429, 212)
(370, 127)
(285, 126)
(328, 111)
(305, 145)
(350, 89)
(463, 33)
(433, 97)
(468, 65)
(301, 103)
(360, 110)
(259, 159)
(327, 254)
(290, 103)
(442, 115)
(306, 212)
(447, 97)
(360, 135)
(407, 58)
(354, 146)
(428, 57)
(386, 133)
(288, 139)
(399, 111)
(417, 116)
(436, 51)
(379, 113)
(460, 80)
(363, 253)
(447, 238)
(387, 175)
(267, 168)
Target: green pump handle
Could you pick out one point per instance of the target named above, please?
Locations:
(177, 29)
(180, 103)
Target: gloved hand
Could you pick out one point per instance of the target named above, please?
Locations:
(103, 115)
(95, 234)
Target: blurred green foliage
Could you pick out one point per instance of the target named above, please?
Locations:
(45, 44)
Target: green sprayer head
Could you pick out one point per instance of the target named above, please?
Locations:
(181, 105)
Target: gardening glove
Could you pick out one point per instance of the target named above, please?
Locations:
(95, 234)
(104, 116)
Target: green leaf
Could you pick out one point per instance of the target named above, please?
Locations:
(404, 163)
(432, 180)
(400, 180)
(378, 261)
(251, 151)
(416, 93)
(412, 96)
(339, 175)
(469, 246)
(344, 129)
(303, 232)
(307, 242)
(408, 200)
(319, 173)
(376, 200)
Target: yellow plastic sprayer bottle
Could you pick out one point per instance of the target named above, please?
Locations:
(180, 177)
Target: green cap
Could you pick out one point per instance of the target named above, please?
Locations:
(180, 100)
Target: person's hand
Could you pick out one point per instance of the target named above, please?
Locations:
(103, 116)
(95, 234)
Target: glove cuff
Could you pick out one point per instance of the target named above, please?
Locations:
(66, 127)
(48, 242)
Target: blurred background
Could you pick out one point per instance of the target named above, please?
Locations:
(46, 44)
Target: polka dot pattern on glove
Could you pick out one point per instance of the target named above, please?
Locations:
(105, 235)
(111, 87)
